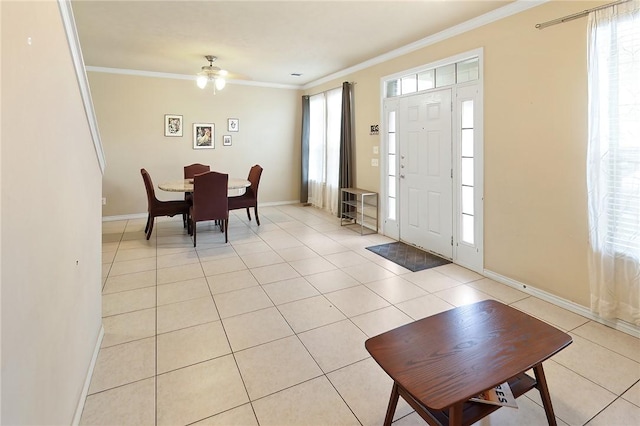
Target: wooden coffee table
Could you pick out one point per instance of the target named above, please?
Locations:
(441, 361)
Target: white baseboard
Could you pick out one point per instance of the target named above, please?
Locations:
(619, 325)
(87, 380)
(144, 215)
(279, 203)
(124, 217)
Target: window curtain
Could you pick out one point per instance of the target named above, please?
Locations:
(334, 107)
(317, 126)
(324, 149)
(346, 171)
(304, 172)
(613, 161)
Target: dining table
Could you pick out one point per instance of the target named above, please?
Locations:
(235, 187)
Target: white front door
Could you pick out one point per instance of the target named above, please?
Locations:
(426, 183)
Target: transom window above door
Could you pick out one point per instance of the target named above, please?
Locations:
(444, 75)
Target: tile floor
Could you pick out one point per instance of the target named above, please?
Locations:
(270, 328)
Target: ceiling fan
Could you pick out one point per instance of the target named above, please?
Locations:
(211, 73)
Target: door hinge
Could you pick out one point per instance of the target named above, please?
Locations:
(451, 240)
(451, 173)
(451, 106)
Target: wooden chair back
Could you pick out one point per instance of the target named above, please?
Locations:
(209, 202)
(195, 169)
(156, 207)
(254, 177)
(148, 185)
(210, 196)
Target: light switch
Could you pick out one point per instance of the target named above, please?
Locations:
(375, 149)
(374, 162)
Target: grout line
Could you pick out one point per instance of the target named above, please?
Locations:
(155, 378)
(290, 231)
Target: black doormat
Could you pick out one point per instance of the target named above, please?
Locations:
(408, 256)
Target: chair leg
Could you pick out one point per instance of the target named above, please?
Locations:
(248, 213)
(226, 227)
(255, 211)
(193, 230)
(184, 220)
(146, 228)
(151, 220)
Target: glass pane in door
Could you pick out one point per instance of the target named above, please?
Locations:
(409, 84)
(426, 80)
(446, 75)
(467, 70)
(467, 142)
(393, 88)
(467, 229)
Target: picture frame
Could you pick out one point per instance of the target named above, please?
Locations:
(233, 125)
(203, 136)
(226, 140)
(172, 125)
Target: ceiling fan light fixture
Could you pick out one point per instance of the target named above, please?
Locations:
(213, 74)
(201, 81)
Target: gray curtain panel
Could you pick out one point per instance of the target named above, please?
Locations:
(304, 176)
(346, 171)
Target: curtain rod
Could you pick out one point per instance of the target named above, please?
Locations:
(577, 15)
(353, 83)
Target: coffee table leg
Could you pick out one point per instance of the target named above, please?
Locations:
(393, 402)
(544, 393)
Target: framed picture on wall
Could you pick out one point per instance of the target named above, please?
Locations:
(172, 125)
(226, 140)
(203, 135)
(233, 124)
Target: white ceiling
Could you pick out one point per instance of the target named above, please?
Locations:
(262, 41)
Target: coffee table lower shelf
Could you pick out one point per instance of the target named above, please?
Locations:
(471, 411)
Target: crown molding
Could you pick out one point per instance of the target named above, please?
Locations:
(517, 6)
(187, 77)
(69, 24)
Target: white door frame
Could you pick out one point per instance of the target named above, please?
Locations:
(471, 257)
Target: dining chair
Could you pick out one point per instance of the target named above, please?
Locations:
(250, 197)
(189, 172)
(209, 202)
(193, 169)
(157, 208)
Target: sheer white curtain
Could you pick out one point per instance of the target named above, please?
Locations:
(317, 130)
(613, 163)
(324, 149)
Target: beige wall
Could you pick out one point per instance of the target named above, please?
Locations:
(50, 197)
(535, 109)
(131, 109)
(535, 140)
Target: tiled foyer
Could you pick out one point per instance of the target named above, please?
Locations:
(270, 328)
